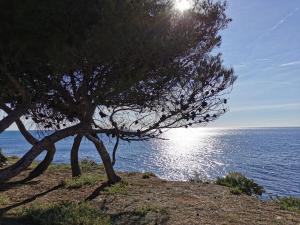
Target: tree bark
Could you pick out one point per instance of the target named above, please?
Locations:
(76, 172)
(43, 166)
(11, 118)
(26, 134)
(27, 159)
(110, 173)
(114, 151)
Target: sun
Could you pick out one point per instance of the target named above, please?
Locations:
(182, 5)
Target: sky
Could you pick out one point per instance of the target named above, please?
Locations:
(262, 44)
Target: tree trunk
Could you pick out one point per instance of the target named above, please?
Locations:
(43, 166)
(11, 118)
(22, 164)
(27, 159)
(114, 151)
(76, 172)
(110, 173)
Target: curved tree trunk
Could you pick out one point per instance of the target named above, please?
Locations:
(110, 173)
(114, 151)
(74, 156)
(32, 140)
(27, 159)
(22, 164)
(26, 134)
(11, 118)
(43, 166)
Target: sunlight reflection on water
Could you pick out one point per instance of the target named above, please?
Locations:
(187, 153)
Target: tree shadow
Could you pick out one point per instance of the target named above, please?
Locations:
(28, 200)
(98, 191)
(8, 185)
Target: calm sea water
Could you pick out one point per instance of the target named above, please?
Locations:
(270, 156)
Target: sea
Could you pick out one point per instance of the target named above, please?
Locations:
(269, 156)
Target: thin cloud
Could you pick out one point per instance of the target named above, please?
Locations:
(266, 107)
(283, 19)
(290, 63)
(263, 60)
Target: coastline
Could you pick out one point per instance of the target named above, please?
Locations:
(141, 198)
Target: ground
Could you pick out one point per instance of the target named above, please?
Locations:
(141, 199)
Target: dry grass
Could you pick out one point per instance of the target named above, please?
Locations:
(139, 200)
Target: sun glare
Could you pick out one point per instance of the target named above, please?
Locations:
(182, 5)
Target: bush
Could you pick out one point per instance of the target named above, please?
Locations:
(238, 184)
(65, 213)
(85, 180)
(289, 203)
(89, 164)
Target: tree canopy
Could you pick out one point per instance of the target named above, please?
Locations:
(127, 69)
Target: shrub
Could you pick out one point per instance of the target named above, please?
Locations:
(85, 180)
(289, 203)
(88, 164)
(238, 184)
(65, 213)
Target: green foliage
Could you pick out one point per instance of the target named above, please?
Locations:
(147, 175)
(238, 184)
(84, 180)
(89, 165)
(236, 191)
(4, 199)
(66, 213)
(59, 166)
(118, 188)
(289, 203)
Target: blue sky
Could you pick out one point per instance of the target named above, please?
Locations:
(262, 44)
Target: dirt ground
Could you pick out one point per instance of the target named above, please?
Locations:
(146, 200)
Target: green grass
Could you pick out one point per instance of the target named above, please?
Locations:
(65, 213)
(87, 165)
(4, 199)
(60, 166)
(239, 184)
(289, 203)
(118, 188)
(84, 180)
